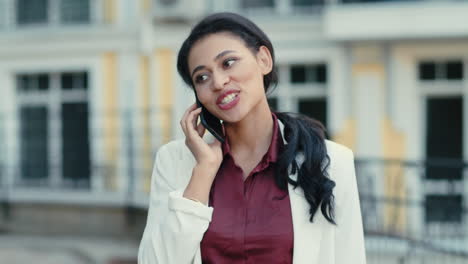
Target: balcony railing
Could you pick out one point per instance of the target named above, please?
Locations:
(414, 211)
(35, 14)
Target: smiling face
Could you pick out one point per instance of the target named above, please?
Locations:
(228, 76)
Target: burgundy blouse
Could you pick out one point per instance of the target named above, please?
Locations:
(251, 220)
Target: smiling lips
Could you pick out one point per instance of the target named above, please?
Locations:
(228, 100)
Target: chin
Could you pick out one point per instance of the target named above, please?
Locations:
(234, 117)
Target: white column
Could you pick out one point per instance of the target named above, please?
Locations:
(96, 118)
(10, 136)
(183, 98)
(285, 100)
(368, 87)
(407, 116)
(465, 147)
(340, 103)
(126, 81)
(127, 13)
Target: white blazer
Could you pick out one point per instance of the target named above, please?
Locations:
(175, 225)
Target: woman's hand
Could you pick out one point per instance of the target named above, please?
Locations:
(206, 155)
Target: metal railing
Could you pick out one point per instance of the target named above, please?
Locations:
(409, 214)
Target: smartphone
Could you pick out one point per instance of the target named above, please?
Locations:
(211, 122)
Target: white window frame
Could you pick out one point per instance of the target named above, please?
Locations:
(53, 16)
(281, 7)
(52, 99)
(440, 88)
(288, 94)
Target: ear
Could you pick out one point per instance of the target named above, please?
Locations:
(265, 60)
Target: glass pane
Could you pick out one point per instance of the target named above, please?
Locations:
(454, 70)
(257, 3)
(444, 208)
(427, 71)
(75, 137)
(31, 11)
(444, 136)
(23, 83)
(307, 2)
(315, 108)
(43, 82)
(74, 80)
(67, 81)
(32, 82)
(74, 11)
(316, 73)
(321, 73)
(298, 74)
(34, 144)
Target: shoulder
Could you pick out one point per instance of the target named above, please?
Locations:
(338, 152)
(174, 163)
(341, 168)
(175, 150)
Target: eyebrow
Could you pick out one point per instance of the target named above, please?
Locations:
(221, 54)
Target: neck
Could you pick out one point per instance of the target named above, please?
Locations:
(253, 133)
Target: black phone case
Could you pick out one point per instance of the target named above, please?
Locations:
(211, 123)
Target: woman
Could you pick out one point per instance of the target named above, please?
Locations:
(275, 191)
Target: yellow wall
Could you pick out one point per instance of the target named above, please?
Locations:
(393, 147)
(146, 112)
(109, 11)
(347, 136)
(109, 119)
(395, 184)
(145, 7)
(165, 83)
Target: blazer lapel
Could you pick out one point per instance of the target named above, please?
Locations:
(307, 235)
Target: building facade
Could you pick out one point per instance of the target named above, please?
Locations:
(90, 91)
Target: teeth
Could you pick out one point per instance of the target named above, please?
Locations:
(228, 98)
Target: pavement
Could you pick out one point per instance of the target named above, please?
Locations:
(26, 249)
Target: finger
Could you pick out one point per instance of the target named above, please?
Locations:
(196, 116)
(184, 117)
(189, 123)
(201, 129)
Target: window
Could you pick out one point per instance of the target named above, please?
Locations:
(74, 11)
(303, 89)
(74, 80)
(444, 208)
(75, 147)
(316, 73)
(307, 3)
(257, 3)
(34, 142)
(427, 71)
(33, 82)
(444, 152)
(167, 2)
(315, 108)
(34, 12)
(31, 12)
(54, 130)
(446, 70)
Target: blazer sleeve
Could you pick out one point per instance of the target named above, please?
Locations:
(175, 225)
(349, 240)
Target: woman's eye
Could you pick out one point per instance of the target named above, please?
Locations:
(227, 63)
(201, 78)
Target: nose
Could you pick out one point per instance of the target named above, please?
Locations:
(220, 79)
